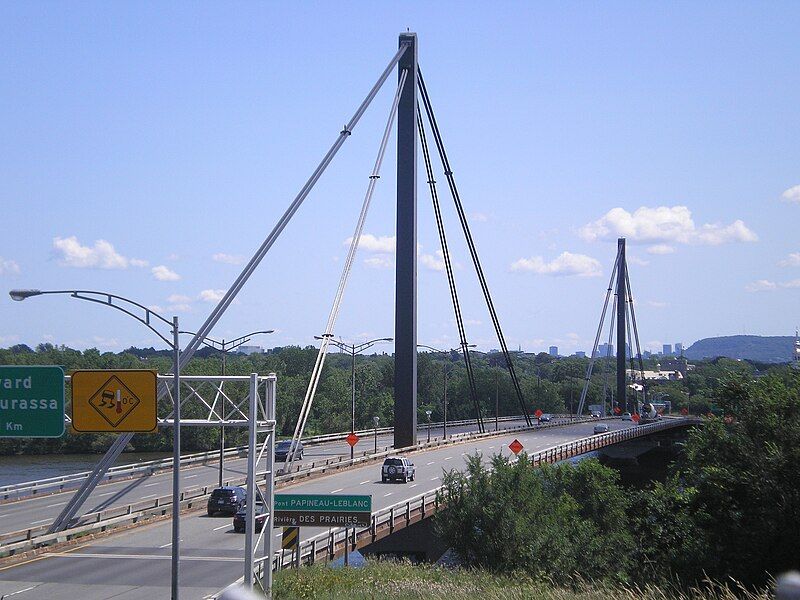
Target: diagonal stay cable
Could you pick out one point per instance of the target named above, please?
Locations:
(308, 401)
(449, 269)
(636, 333)
(471, 244)
(590, 367)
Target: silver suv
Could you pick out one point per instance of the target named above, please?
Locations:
(397, 467)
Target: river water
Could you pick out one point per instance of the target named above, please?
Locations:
(18, 469)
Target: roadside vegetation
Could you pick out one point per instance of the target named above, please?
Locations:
(386, 580)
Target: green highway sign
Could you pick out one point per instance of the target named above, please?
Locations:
(31, 401)
(322, 510)
(323, 502)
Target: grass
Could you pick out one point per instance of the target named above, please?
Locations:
(402, 581)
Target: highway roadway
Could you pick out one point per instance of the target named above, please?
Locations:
(135, 564)
(40, 511)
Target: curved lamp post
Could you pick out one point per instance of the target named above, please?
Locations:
(226, 346)
(353, 349)
(128, 306)
(445, 374)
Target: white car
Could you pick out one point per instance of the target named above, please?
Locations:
(397, 467)
(627, 417)
(601, 428)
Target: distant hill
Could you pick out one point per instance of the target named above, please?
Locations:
(772, 349)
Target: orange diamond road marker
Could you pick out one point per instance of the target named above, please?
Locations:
(114, 401)
(516, 447)
(352, 439)
(538, 413)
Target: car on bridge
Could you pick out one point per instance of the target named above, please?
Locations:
(240, 518)
(627, 416)
(601, 428)
(397, 467)
(284, 447)
(546, 418)
(226, 500)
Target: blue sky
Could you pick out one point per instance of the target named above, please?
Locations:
(148, 148)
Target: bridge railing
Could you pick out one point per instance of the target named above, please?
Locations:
(22, 540)
(40, 487)
(328, 546)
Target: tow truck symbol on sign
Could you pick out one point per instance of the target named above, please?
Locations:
(114, 401)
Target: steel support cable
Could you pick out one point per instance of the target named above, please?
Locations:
(630, 338)
(607, 371)
(471, 244)
(636, 332)
(590, 367)
(186, 354)
(449, 270)
(308, 401)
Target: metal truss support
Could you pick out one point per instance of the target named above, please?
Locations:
(262, 421)
(405, 349)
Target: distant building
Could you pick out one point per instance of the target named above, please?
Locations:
(553, 350)
(604, 350)
(647, 354)
(679, 348)
(677, 364)
(666, 349)
(250, 350)
(580, 354)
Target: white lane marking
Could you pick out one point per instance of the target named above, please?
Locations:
(49, 506)
(190, 476)
(362, 483)
(106, 494)
(150, 484)
(146, 557)
(223, 527)
(449, 458)
(148, 496)
(387, 495)
(414, 485)
(3, 516)
(20, 591)
(42, 521)
(430, 463)
(491, 447)
(463, 454)
(335, 491)
(165, 545)
(434, 478)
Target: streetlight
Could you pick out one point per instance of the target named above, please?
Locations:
(353, 349)
(375, 420)
(428, 413)
(445, 374)
(225, 347)
(127, 306)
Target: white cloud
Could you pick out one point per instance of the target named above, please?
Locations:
(212, 295)
(660, 249)
(228, 259)
(138, 262)
(164, 273)
(793, 260)
(792, 194)
(479, 217)
(761, 285)
(794, 283)
(657, 304)
(434, 263)
(661, 225)
(102, 255)
(8, 267)
(378, 262)
(178, 299)
(384, 244)
(564, 264)
(635, 260)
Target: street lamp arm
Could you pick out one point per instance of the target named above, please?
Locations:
(105, 299)
(363, 346)
(244, 339)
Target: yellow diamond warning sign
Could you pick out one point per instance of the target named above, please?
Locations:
(114, 401)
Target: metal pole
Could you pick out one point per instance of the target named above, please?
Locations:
(250, 492)
(222, 427)
(444, 373)
(176, 460)
(405, 376)
(496, 401)
(621, 395)
(346, 546)
(270, 391)
(353, 413)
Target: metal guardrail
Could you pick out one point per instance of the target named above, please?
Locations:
(26, 539)
(20, 491)
(328, 546)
